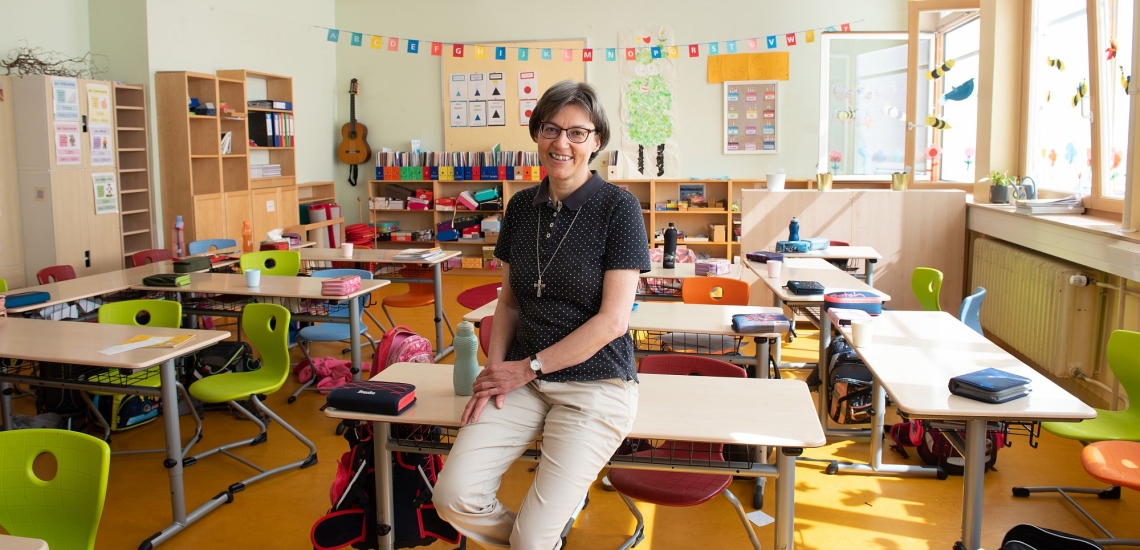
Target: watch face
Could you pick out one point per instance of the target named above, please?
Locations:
(535, 365)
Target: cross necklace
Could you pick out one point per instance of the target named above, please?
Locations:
(537, 255)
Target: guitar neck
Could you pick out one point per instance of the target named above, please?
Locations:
(352, 111)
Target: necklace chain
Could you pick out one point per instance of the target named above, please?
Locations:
(537, 249)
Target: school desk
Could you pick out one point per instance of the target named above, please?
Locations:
(867, 254)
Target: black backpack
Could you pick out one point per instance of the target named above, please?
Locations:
(1031, 537)
(848, 385)
(225, 356)
(66, 403)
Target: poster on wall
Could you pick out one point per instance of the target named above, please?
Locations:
(476, 87)
(458, 114)
(648, 106)
(457, 88)
(496, 113)
(478, 113)
(528, 85)
(68, 150)
(526, 108)
(65, 98)
(98, 104)
(750, 116)
(102, 150)
(106, 197)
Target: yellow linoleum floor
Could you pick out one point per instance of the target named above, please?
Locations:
(840, 512)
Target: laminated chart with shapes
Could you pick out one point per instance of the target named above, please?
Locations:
(528, 85)
(496, 113)
(476, 87)
(477, 113)
(496, 89)
(457, 89)
(458, 115)
(526, 108)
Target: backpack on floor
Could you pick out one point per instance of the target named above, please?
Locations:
(1031, 537)
(123, 411)
(401, 345)
(849, 388)
(351, 520)
(224, 356)
(68, 404)
(935, 449)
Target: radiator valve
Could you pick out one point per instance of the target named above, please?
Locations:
(1079, 280)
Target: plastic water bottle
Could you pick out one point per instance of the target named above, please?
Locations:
(177, 238)
(670, 255)
(794, 230)
(466, 358)
(246, 237)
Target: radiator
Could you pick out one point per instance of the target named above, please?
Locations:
(1031, 306)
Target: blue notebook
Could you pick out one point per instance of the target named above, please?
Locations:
(990, 386)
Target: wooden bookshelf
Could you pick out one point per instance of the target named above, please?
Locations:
(134, 170)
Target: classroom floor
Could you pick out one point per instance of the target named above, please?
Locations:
(845, 511)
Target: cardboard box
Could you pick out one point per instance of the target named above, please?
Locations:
(488, 252)
(470, 262)
(491, 237)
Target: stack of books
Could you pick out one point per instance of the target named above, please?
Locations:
(1068, 205)
(264, 170)
(712, 267)
(419, 254)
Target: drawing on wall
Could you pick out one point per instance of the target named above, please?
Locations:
(648, 108)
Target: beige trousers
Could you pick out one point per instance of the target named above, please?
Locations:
(581, 424)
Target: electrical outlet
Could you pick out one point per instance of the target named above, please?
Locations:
(269, 206)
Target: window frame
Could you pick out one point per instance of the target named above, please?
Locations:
(938, 88)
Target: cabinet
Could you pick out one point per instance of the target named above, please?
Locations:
(134, 170)
(11, 234)
(57, 199)
(208, 185)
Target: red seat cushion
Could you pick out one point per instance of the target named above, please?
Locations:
(671, 488)
(1113, 462)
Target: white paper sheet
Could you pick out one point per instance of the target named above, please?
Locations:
(67, 147)
(497, 113)
(98, 104)
(496, 86)
(65, 97)
(648, 105)
(102, 149)
(759, 518)
(477, 113)
(476, 87)
(113, 350)
(457, 88)
(458, 115)
(106, 196)
(528, 85)
(526, 108)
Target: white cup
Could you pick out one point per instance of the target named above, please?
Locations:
(861, 331)
(253, 277)
(775, 181)
(346, 250)
(774, 267)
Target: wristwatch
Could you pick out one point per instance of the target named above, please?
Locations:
(536, 365)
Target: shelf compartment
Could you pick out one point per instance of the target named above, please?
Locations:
(130, 119)
(132, 159)
(263, 183)
(133, 203)
(235, 173)
(132, 141)
(206, 175)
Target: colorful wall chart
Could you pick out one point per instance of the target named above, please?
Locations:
(750, 117)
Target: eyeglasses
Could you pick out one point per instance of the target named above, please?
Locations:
(575, 134)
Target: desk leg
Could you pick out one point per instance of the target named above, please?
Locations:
(761, 453)
(437, 284)
(780, 304)
(785, 499)
(354, 306)
(824, 343)
(6, 404)
(869, 271)
(174, 456)
(386, 537)
(975, 457)
(878, 427)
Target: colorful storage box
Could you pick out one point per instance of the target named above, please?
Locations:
(473, 263)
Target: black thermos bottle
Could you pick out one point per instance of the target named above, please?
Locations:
(670, 255)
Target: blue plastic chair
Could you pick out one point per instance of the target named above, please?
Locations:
(199, 247)
(972, 308)
(335, 332)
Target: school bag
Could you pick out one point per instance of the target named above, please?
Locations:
(123, 412)
(224, 356)
(935, 449)
(68, 404)
(1032, 537)
(848, 385)
(401, 345)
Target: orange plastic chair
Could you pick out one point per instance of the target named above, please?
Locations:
(418, 295)
(715, 290)
(1113, 462)
(150, 256)
(56, 273)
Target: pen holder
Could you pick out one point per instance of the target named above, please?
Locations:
(899, 181)
(823, 181)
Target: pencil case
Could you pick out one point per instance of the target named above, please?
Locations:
(192, 264)
(764, 256)
(26, 298)
(166, 279)
(803, 288)
(793, 247)
(373, 397)
(854, 299)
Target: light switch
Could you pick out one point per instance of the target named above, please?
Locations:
(269, 207)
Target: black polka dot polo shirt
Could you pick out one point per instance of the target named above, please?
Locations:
(606, 231)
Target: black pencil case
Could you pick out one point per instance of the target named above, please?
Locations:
(802, 288)
(373, 397)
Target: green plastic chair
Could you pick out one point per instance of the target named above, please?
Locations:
(140, 313)
(1124, 361)
(267, 328)
(286, 263)
(927, 285)
(64, 511)
(3, 285)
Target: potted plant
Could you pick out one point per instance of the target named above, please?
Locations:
(1000, 183)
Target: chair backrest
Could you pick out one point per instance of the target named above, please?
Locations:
(204, 245)
(56, 273)
(153, 255)
(65, 510)
(927, 285)
(1124, 360)
(972, 309)
(267, 328)
(691, 365)
(285, 263)
(3, 285)
(715, 290)
(838, 243)
(158, 313)
(364, 275)
(485, 325)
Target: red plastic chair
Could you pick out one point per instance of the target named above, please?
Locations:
(675, 488)
(55, 273)
(150, 256)
(485, 333)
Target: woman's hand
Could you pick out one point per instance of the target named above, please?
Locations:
(496, 380)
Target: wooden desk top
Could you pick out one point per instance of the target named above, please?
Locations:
(915, 353)
(692, 408)
(368, 255)
(668, 316)
(79, 343)
(832, 278)
(95, 285)
(9, 542)
(684, 271)
(275, 286)
(839, 253)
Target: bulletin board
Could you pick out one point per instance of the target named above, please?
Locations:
(751, 118)
(511, 136)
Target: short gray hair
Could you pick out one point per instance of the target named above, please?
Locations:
(569, 92)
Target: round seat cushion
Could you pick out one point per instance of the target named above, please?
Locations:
(475, 298)
(1113, 462)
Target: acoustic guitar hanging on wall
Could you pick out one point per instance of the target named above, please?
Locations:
(353, 149)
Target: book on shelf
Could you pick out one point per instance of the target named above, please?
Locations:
(227, 142)
(419, 254)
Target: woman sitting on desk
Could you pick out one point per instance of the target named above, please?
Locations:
(560, 363)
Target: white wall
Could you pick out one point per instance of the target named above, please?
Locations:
(118, 31)
(400, 93)
(54, 25)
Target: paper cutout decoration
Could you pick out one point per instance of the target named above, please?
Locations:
(611, 54)
(809, 36)
(753, 44)
(496, 86)
(694, 50)
(730, 46)
(960, 92)
(356, 39)
(546, 55)
(771, 42)
(457, 50)
(457, 88)
(630, 54)
(477, 113)
(655, 52)
(476, 86)
(587, 55)
(480, 52)
(377, 42)
(567, 55)
(714, 48)
(333, 36)
(436, 48)
(524, 54)
(413, 46)
(500, 53)
(526, 108)
(496, 113)
(748, 66)
(458, 117)
(790, 38)
(528, 85)
(393, 44)
(674, 52)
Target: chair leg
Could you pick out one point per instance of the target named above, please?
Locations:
(258, 439)
(304, 345)
(1111, 493)
(96, 415)
(102, 422)
(379, 325)
(639, 532)
(447, 322)
(743, 517)
(387, 314)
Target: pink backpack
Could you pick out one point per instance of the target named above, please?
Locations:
(401, 345)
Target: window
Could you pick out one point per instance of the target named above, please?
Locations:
(958, 98)
(1118, 27)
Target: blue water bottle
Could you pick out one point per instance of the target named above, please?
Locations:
(794, 230)
(466, 358)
